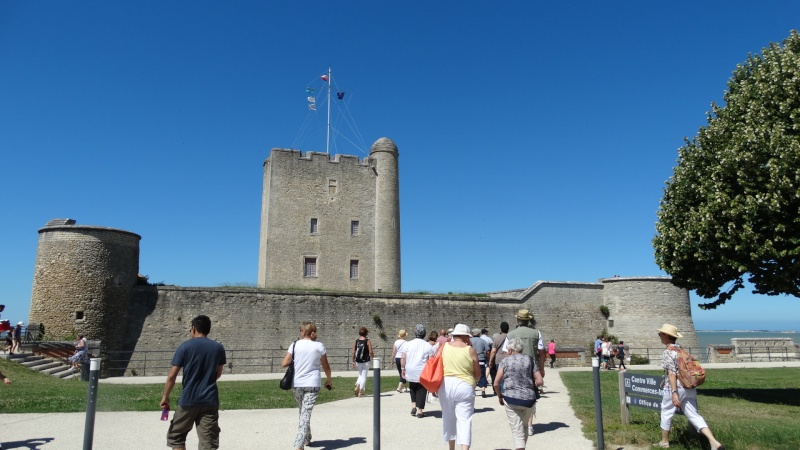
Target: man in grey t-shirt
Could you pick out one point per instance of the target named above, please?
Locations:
(482, 349)
(202, 361)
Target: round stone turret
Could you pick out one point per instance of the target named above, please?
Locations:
(640, 305)
(83, 281)
(387, 215)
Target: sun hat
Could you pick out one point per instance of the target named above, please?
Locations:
(461, 330)
(524, 314)
(670, 330)
(20, 323)
(402, 334)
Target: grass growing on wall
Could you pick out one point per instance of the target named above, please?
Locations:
(754, 409)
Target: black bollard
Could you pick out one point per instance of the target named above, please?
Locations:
(91, 403)
(376, 404)
(598, 404)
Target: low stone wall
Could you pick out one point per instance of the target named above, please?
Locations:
(764, 349)
(721, 354)
(570, 357)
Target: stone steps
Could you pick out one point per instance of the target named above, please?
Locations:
(48, 366)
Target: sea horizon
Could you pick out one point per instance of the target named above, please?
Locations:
(723, 330)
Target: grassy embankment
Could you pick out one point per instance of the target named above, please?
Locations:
(32, 392)
(745, 408)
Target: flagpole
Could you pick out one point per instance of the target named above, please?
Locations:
(328, 134)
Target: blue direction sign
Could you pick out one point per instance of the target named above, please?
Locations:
(643, 385)
(644, 402)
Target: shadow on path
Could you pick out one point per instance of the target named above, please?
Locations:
(337, 443)
(545, 427)
(32, 444)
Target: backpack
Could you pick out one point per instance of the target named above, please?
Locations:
(362, 351)
(690, 374)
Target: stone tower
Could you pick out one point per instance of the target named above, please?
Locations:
(331, 222)
(640, 305)
(83, 281)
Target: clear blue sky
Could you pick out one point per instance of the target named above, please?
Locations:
(535, 137)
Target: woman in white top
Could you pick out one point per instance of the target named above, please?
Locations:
(413, 359)
(397, 352)
(309, 356)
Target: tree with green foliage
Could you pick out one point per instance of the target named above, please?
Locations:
(731, 209)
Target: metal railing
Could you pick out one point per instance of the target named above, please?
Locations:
(741, 354)
(265, 360)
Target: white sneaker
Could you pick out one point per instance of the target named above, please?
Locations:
(530, 430)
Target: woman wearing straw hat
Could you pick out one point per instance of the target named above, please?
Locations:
(676, 396)
(397, 353)
(457, 392)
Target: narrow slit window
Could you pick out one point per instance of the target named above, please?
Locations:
(353, 268)
(354, 228)
(310, 267)
(314, 228)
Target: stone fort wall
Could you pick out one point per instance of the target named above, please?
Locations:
(259, 319)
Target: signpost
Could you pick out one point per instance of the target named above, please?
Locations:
(636, 389)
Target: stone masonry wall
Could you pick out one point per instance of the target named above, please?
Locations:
(334, 191)
(253, 320)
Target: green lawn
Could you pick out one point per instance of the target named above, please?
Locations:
(32, 392)
(749, 409)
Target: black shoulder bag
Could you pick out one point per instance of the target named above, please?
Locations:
(288, 380)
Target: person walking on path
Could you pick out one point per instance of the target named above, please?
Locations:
(621, 356)
(551, 350)
(397, 353)
(202, 361)
(498, 353)
(415, 354)
(676, 396)
(362, 355)
(483, 354)
(309, 357)
(457, 392)
(532, 346)
(519, 376)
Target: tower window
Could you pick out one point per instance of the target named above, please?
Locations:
(310, 266)
(332, 187)
(314, 229)
(354, 228)
(353, 269)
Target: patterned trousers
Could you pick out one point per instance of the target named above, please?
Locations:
(305, 397)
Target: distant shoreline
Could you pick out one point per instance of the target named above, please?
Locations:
(747, 331)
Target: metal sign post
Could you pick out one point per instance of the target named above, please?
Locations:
(598, 405)
(91, 403)
(376, 404)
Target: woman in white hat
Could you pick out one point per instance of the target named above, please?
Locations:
(457, 392)
(676, 396)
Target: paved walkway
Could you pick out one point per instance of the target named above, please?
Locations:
(345, 424)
